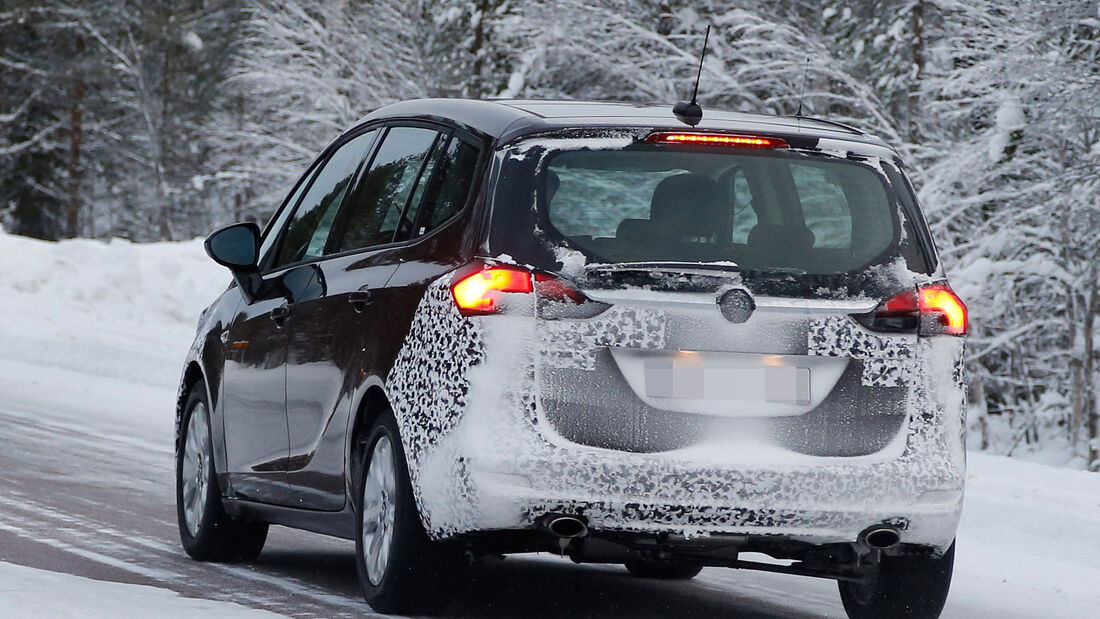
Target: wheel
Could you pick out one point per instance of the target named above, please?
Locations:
(400, 569)
(207, 532)
(913, 587)
(671, 570)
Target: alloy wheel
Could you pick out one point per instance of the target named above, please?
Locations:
(379, 503)
(195, 472)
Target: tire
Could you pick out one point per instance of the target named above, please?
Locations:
(672, 570)
(400, 569)
(914, 587)
(206, 531)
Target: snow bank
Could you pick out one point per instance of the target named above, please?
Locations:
(118, 309)
(31, 593)
(1027, 544)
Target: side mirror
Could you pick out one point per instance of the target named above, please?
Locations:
(238, 248)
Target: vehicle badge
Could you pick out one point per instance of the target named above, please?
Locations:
(736, 305)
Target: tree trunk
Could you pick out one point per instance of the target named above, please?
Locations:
(1091, 307)
(913, 110)
(476, 87)
(76, 137)
(977, 396)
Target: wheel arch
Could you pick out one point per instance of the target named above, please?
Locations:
(192, 374)
(372, 404)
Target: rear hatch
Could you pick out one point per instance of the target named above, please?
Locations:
(721, 288)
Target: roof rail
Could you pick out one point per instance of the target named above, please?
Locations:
(830, 122)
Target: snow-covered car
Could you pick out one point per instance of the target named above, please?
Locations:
(487, 327)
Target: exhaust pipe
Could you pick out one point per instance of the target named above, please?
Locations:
(564, 527)
(880, 537)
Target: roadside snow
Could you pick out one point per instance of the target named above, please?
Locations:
(30, 593)
(116, 310)
(1028, 541)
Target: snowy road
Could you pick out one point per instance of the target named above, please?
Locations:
(91, 338)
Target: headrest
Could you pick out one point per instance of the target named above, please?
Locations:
(633, 229)
(553, 182)
(690, 204)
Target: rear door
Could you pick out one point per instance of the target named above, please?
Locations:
(439, 236)
(333, 341)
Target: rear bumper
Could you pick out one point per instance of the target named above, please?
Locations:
(815, 503)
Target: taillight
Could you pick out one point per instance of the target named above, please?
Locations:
(942, 311)
(929, 310)
(554, 289)
(480, 292)
(717, 139)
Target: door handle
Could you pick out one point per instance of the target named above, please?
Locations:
(280, 314)
(360, 299)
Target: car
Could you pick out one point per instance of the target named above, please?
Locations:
(478, 328)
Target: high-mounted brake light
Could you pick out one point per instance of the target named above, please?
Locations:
(479, 293)
(929, 310)
(717, 139)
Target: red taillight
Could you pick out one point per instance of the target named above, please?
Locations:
(902, 303)
(479, 293)
(947, 311)
(931, 310)
(557, 290)
(717, 139)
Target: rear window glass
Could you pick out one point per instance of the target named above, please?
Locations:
(758, 210)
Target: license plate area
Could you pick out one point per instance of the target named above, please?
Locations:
(687, 376)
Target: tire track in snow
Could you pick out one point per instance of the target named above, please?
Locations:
(64, 493)
(157, 560)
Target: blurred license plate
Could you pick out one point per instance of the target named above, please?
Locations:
(691, 378)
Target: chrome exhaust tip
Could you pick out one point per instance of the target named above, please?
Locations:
(564, 526)
(880, 537)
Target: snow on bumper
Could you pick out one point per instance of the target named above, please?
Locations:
(481, 458)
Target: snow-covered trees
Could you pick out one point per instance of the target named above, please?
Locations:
(1014, 188)
(161, 120)
(109, 106)
(41, 104)
(306, 69)
(641, 51)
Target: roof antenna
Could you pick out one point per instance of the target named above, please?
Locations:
(805, 77)
(690, 112)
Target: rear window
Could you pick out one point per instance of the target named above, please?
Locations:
(761, 210)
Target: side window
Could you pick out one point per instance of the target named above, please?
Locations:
(380, 199)
(595, 202)
(824, 205)
(308, 232)
(450, 185)
(744, 217)
(288, 207)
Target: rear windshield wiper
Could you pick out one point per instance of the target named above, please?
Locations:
(675, 268)
(776, 271)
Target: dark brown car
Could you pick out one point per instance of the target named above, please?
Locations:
(497, 327)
